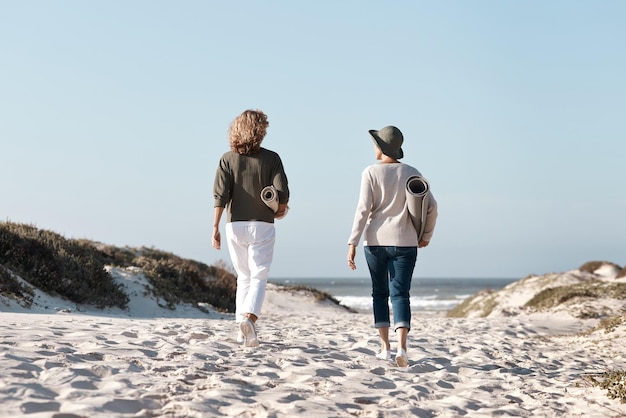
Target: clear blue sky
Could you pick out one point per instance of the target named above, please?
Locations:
(114, 114)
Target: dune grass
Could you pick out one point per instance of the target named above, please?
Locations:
(13, 288)
(483, 302)
(75, 270)
(58, 266)
(319, 295)
(551, 297)
(613, 381)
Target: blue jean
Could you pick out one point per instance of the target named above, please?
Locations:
(391, 270)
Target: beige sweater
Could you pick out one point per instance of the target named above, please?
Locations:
(382, 216)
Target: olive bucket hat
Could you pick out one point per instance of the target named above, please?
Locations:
(389, 141)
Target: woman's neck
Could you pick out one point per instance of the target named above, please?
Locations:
(388, 160)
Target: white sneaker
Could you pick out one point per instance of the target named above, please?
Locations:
(249, 333)
(384, 355)
(401, 359)
(240, 337)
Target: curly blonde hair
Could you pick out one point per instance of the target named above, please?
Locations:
(247, 132)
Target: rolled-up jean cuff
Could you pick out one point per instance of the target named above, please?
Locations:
(382, 325)
(402, 325)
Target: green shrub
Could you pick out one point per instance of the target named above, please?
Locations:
(613, 382)
(319, 295)
(592, 266)
(552, 297)
(58, 266)
(74, 269)
(12, 288)
(181, 280)
(485, 300)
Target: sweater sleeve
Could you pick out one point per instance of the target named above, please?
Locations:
(222, 186)
(431, 218)
(363, 209)
(280, 181)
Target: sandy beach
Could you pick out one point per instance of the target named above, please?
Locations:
(315, 360)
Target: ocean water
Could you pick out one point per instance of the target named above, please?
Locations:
(426, 294)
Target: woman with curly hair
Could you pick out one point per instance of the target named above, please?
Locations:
(242, 174)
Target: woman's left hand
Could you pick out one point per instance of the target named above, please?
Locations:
(282, 210)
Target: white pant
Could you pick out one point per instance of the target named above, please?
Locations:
(251, 247)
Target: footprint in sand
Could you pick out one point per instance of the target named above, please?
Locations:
(39, 407)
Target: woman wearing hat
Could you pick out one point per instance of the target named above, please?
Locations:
(389, 237)
(242, 174)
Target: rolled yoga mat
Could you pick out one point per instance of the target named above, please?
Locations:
(417, 201)
(269, 196)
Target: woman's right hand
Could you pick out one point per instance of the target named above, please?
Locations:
(351, 255)
(217, 238)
